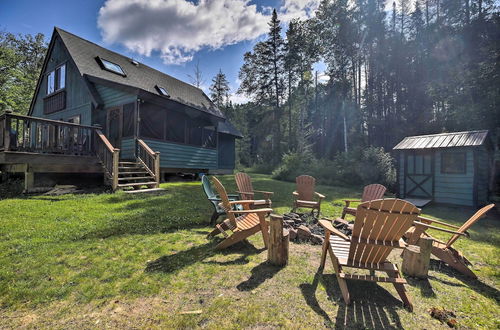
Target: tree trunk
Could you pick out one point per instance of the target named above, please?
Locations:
(277, 253)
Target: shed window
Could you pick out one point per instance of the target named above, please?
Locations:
(110, 66)
(56, 79)
(453, 163)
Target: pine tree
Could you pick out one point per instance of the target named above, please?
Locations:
(219, 90)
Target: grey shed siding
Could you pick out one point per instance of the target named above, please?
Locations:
(455, 188)
(78, 101)
(483, 174)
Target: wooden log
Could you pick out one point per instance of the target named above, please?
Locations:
(416, 263)
(278, 242)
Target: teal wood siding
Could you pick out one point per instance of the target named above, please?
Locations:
(127, 149)
(78, 101)
(455, 188)
(113, 97)
(483, 175)
(226, 152)
(174, 155)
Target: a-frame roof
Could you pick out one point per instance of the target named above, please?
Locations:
(140, 76)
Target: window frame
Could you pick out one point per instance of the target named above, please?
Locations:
(102, 64)
(57, 80)
(445, 170)
(162, 91)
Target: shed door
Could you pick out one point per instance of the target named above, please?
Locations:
(419, 175)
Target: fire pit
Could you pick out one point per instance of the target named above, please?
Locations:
(304, 227)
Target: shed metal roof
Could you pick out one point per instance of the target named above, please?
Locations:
(444, 140)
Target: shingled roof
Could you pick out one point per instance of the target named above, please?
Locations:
(139, 76)
(444, 140)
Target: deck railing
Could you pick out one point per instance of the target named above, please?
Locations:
(150, 159)
(37, 135)
(108, 155)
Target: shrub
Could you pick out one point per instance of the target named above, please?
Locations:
(294, 164)
(377, 166)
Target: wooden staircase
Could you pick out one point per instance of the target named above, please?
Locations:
(134, 175)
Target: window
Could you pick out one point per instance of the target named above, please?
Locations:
(453, 163)
(110, 66)
(162, 91)
(56, 79)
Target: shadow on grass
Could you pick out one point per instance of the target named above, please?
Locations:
(475, 284)
(174, 262)
(423, 284)
(260, 274)
(371, 305)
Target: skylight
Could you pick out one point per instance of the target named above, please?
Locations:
(112, 67)
(162, 91)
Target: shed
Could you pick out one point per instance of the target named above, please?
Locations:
(452, 168)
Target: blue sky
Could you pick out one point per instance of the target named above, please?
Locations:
(169, 35)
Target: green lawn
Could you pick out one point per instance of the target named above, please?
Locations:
(138, 261)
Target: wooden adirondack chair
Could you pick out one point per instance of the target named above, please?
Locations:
(304, 195)
(370, 193)
(378, 229)
(214, 199)
(246, 191)
(442, 250)
(242, 223)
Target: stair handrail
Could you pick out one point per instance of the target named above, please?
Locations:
(149, 159)
(108, 155)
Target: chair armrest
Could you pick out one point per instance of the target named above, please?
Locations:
(266, 210)
(264, 192)
(349, 201)
(328, 226)
(417, 223)
(215, 199)
(438, 222)
(233, 196)
(244, 201)
(321, 196)
(295, 193)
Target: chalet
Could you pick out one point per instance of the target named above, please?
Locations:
(96, 111)
(452, 168)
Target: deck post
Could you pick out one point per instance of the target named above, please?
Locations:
(6, 134)
(29, 179)
(157, 169)
(116, 161)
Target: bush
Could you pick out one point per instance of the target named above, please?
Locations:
(357, 167)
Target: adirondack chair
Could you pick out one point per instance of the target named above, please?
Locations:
(442, 250)
(241, 223)
(304, 195)
(370, 193)
(378, 229)
(214, 199)
(246, 191)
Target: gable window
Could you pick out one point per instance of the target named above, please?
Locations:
(162, 91)
(453, 163)
(110, 66)
(56, 79)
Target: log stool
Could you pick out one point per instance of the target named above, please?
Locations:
(416, 261)
(277, 253)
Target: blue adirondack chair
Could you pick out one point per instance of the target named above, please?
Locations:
(214, 198)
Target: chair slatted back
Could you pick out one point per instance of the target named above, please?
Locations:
(305, 187)
(472, 220)
(225, 200)
(244, 183)
(379, 220)
(372, 192)
(207, 187)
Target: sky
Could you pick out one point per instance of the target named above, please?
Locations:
(169, 35)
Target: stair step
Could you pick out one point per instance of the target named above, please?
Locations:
(140, 191)
(136, 184)
(128, 163)
(130, 173)
(135, 178)
(130, 168)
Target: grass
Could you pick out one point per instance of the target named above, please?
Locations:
(130, 261)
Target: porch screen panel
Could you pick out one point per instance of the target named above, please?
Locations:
(128, 120)
(152, 122)
(195, 131)
(176, 127)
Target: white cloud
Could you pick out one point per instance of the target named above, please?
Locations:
(238, 98)
(179, 28)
